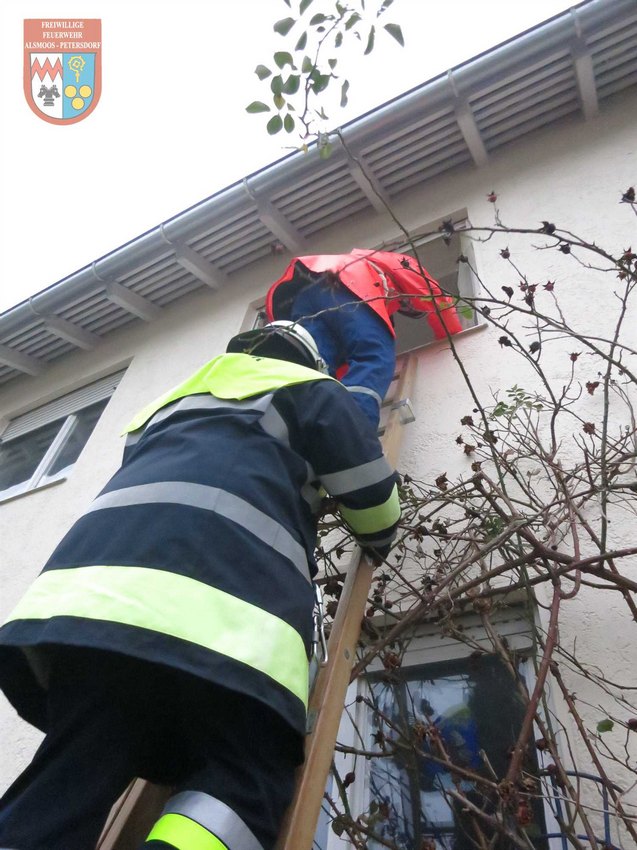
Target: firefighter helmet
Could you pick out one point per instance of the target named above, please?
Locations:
(283, 340)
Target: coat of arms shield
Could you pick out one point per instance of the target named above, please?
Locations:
(62, 68)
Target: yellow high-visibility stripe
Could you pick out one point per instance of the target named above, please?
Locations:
(372, 520)
(184, 834)
(233, 376)
(177, 606)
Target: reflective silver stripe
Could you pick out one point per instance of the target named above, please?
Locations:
(310, 489)
(312, 496)
(131, 440)
(357, 477)
(206, 498)
(216, 817)
(274, 424)
(364, 391)
(209, 402)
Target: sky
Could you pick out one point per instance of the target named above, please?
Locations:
(170, 128)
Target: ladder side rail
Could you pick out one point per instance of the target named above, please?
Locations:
(133, 815)
(328, 696)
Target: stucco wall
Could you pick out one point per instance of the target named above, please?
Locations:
(572, 174)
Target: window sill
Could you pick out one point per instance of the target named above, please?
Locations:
(10, 497)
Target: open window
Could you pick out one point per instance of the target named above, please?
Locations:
(41, 446)
(440, 258)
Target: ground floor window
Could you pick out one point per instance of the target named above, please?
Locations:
(445, 701)
(42, 445)
(466, 709)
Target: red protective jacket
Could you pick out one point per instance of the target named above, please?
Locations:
(378, 277)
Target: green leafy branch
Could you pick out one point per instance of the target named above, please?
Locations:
(518, 398)
(298, 76)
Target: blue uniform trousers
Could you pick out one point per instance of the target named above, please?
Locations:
(229, 760)
(348, 331)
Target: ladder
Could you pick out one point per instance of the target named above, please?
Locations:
(134, 814)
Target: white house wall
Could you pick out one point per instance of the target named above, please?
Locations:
(572, 174)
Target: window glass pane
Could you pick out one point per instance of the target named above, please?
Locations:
(472, 707)
(441, 261)
(82, 430)
(19, 458)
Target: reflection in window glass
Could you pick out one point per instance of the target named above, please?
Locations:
(440, 259)
(473, 707)
(19, 458)
(48, 452)
(86, 420)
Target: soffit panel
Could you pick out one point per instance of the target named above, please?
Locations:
(405, 179)
(25, 335)
(171, 291)
(295, 205)
(614, 56)
(111, 322)
(617, 86)
(424, 133)
(222, 252)
(151, 285)
(240, 256)
(217, 242)
(317, 177)
(7, 374)
(83, 315)
(219, 229)
(520, 122)
(423, 151)
(337, 201)
(507, 83)
(535, 91)
(51, 347)
(505, 134)
(326, 216)
(394, 136)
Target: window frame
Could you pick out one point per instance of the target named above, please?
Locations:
(66, 408)
(467, 281)
(425, 649)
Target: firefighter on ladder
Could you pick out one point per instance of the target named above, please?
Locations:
(346, 301)
(168, 635)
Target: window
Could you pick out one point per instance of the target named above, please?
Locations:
(440, 259)
(473, 707)
(41, 446)
(472, 701)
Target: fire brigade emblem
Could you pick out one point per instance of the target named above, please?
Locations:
(62, 68)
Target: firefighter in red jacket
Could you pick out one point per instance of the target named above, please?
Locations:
(346, 301)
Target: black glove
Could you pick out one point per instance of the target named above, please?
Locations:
(376, 554)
